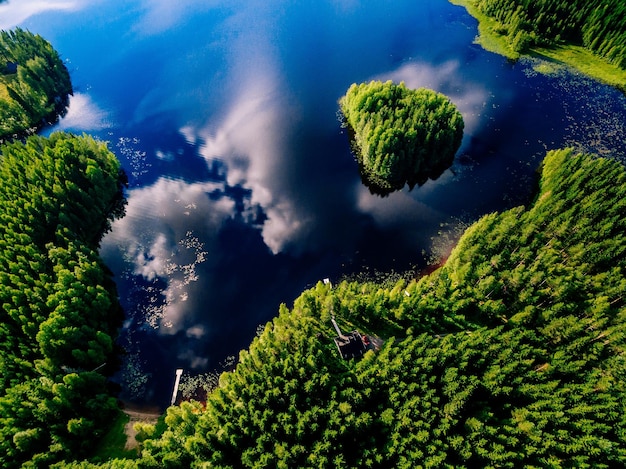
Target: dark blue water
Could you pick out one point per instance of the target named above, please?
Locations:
(242, 187)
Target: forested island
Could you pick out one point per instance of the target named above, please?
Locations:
(589, 35)
(34, 84)
(400, 136)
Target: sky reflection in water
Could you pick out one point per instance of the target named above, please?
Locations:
(243, 190)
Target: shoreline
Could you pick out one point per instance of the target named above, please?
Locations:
(567, 55)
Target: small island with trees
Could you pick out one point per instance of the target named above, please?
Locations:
(400, 136)
(34, 84)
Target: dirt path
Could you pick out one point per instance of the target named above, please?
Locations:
(137, 416)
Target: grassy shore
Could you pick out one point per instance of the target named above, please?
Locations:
(113, 444)
(488, 36)
(491, 38)
(586, 62)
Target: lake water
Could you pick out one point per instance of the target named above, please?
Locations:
(243, 191)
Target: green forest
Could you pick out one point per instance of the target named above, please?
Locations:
(588, 35)
(34, 83)
(60, 312)
(598, 25)
(509, 355)
(400, 136)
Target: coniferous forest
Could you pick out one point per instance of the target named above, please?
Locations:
(34, 83)
(60, 311)
(511, 354)
(400, 136)
(598, 25)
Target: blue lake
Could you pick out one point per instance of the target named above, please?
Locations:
(243, 191)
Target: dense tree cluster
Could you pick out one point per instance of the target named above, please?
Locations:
(598, 25)
(59, 310)
(510, 355)
(400, 136)
(34, 83)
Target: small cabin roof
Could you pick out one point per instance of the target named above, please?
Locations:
(350, 345)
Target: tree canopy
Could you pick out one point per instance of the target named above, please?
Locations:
(510, 355)
(400, 136)
(59, 309)
(597, 25)
(34, 83)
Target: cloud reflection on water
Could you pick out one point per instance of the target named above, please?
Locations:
(161, 15)
(254, 140)
(265, 102)
(15, 12)
(254, 86)
(251, 141)
(166, 235)
(84, 114)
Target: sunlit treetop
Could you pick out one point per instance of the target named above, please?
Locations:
(34, 84)
(399, 135)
